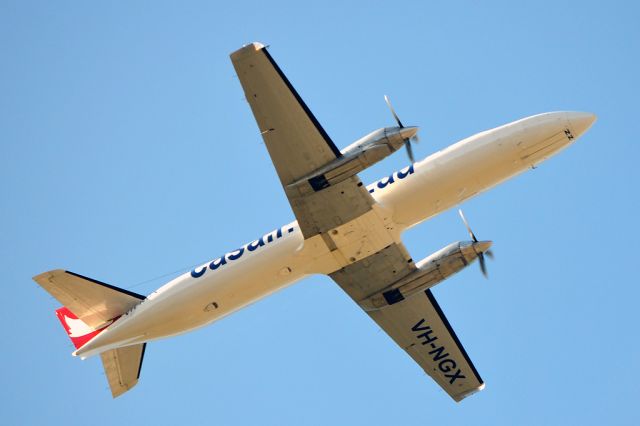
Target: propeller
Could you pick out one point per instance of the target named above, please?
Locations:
(407, 142)
(481, 247)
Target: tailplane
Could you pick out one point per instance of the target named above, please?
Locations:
(94, 302)
(90, 307)
(122, 367)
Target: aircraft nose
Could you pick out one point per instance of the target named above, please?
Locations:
(580, 122)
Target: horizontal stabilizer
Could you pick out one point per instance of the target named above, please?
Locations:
(122, 367)
(92, 301)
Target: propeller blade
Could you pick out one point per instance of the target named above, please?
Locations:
(483, 265)
(407, 144)
(481, 247)
(386, 99)
(464, 219)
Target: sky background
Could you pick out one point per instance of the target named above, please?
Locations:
(128, 152)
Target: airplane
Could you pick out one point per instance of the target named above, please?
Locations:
(343, 229)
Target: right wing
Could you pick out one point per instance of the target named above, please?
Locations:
(122, 367)
(297, 144)
(416, 323)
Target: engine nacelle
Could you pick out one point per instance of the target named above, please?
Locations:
(358, 156)
(431, 271)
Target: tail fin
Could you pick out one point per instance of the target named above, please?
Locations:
(90, 306)
(79, 332)
(121, 366)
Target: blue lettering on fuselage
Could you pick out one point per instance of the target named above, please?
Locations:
(394, 177)
(238, 253)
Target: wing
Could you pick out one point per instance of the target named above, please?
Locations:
(419, 326)
(416, 324)
(122, 367)
(297, 144)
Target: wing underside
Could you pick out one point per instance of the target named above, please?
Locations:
(416, 324)
(299, 147)
(297, 144)
(295, 139)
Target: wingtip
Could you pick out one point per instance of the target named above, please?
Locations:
(246, 49)
(256, 45)
(466, 394)
(44, 276)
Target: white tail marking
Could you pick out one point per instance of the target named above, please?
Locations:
(77, 327)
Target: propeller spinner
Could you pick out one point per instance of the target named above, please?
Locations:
(407, 141)
(481, 247)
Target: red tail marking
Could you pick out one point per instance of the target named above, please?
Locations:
(79, 332)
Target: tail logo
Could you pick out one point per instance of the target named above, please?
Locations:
(77, 327)
(79, 332)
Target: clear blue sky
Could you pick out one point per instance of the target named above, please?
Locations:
(127, 152)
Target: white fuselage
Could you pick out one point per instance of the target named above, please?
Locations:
(283, 257)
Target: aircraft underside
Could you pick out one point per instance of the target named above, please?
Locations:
(344, 229)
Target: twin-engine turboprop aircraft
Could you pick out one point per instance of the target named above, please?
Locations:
(344, 229)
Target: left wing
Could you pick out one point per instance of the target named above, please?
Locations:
(416, 323)
(297, 144)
